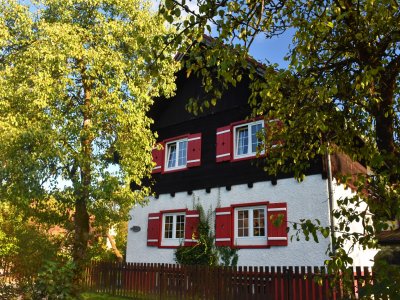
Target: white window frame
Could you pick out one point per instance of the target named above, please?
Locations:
(250, 240)
(174, 241)
(176, 167)
(249, 142)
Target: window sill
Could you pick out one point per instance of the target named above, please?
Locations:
(251, 247)
(247, 157)
(173, 243)
(175, 169)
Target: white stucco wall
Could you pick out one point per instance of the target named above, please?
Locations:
(360, 257)
(308, 199)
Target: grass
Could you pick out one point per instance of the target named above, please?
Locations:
(96, 296)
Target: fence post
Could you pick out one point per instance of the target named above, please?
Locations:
(160, 277)
(287, 284)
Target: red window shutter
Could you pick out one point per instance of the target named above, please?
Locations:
(153, 229)
(277, 236)
(223, 226)
(192, 220)
(224, 141)
(194, 150)
(158, 158)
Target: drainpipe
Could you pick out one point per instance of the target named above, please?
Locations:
(330, 199)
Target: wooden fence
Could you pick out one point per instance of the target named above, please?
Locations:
(166, 281)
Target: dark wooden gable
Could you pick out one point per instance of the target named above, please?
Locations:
(172, 119)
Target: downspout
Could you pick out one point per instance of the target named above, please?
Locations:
(330, 199)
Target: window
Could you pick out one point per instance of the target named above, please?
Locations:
(250, 225)
(247, 140)
(170, 229)
(173, 229)
(176, 154)
(253, 225)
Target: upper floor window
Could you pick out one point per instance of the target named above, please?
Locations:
(247, 139)
(176, 154)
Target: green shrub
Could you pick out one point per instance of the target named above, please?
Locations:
(204, 252)
(54, 281)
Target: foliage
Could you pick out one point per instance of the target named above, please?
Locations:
(339, 93)
(204, 252)
(27, 245)
(76, 81)
(228, 256)
(54, 281)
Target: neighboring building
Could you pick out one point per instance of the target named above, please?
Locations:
(212, 158)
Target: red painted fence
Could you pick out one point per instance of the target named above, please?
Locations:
(167, 281)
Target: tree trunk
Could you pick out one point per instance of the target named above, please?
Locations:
(81, 222)
(81, 219)
(385, 120)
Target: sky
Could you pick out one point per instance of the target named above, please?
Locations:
(263, 50)
(272, 50)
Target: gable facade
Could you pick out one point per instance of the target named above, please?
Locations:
(211, 159)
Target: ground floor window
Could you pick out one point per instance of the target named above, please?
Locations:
(173, 229)
(250, 225)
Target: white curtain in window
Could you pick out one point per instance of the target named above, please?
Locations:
(171, 155)
(243, 140)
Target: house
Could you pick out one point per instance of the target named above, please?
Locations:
(211, 158)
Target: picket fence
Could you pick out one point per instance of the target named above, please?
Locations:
(168, 281)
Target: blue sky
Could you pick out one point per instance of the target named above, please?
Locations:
(272, 50)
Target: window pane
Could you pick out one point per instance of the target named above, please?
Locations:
(168, 227)
(171, 155)
(180, 226)
(243, 223)
(255, 140)
(242, 137)
(258, 222)
(182, 153)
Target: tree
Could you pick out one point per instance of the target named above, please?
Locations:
(340, 91)
(77, 78)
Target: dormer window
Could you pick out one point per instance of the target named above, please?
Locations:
(176, 155)
(247, 139)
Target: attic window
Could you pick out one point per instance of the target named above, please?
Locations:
(176, 154)
(246, 139)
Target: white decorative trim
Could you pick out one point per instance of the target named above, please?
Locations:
(193, 139)
(223, 131)
(192, 161)
(190, 240)
(157, 167)
(272, 238)
(223, 240)
(277, 209)
(223, 155)
(152, 240)
(223, 213)
(192, 216)
(154, 218)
